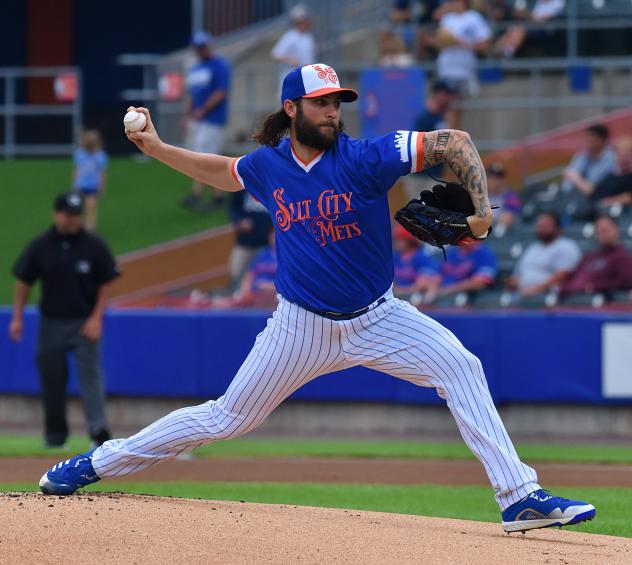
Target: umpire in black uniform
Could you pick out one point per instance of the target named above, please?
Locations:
(74, 267)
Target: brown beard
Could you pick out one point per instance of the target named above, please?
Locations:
(310, 135)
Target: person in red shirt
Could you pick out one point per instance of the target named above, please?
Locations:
(606, 269)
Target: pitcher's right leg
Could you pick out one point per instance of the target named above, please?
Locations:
(295, 347)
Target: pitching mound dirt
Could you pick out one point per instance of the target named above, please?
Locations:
(113, 528)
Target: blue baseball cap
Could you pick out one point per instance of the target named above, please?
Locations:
(311, 81)
(201, 39)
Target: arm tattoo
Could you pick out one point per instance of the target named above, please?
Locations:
(457, 150)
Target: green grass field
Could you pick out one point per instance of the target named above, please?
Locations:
(462, 502)
(140, 206)
(16, 446)
(467, 502)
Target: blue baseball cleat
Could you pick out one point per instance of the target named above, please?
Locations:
(67, 476)
(543, 510)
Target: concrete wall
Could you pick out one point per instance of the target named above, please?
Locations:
(301, 419)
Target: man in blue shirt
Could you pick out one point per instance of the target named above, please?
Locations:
(252, 226)
(208, 84)
(327, 194)
(416, 276)
(470, 268)
(257, 286)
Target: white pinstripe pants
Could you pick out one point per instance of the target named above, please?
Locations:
(297, 346)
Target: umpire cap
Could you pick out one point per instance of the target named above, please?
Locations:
(69, 203)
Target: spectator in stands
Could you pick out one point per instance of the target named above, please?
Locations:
(518, 37)
(257, 287)
(252, 224)
(415, 271)
(297, 46)
(421, 14)
(434, 115)
(544, 10)
(468, 268)
(616, 188)
(208, 83)
(501, 195)
(420, 11)
(498, 10)
(589, 167)
(432, 118)
(88, 173)
(462, 35)
(607, 269)
(503, 14)
(74, 267)
(545, 264)
(392, 51)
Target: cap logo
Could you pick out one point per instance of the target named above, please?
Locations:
(314, 80)
(326, 74)
(74, 200)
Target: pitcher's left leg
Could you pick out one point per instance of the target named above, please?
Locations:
(411, 346)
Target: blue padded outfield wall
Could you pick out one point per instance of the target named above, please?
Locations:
(528, 357)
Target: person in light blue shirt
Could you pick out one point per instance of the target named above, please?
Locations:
(588, 168)
(88, 174)
(208, 84)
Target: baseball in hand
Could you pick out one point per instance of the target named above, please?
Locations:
(134, 121)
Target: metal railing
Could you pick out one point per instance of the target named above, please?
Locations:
(221, 17)
(13, 107)
(539, 88)
(332, 19)
(546, 89)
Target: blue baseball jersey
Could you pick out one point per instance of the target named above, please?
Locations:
(89, 167)
(205, 78)
(263, 266)
(409, 267)
(465, 262)
(331, 216)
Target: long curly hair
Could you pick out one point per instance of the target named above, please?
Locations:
(274, 128)
(277, 126)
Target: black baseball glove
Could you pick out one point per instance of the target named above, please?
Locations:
(439, 216)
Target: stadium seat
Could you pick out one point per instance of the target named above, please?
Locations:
(585, 300)
(579, 230)
(604, 8)
(458, 300)
(529, 211)
(507, 251)
(621, 296)
(524, 231)
(616, 211)
(495, 298)
(544, 300)
(538, 199)
(621, 299)
(586, 245)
